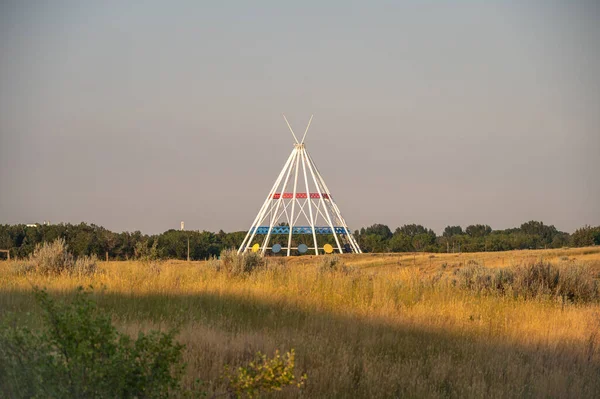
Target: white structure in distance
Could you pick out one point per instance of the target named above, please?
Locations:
(300, 211)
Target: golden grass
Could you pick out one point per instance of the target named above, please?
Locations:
(382, 331)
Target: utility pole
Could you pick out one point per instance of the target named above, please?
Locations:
(182, 227)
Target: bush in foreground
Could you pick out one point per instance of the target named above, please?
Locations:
(80, 354)
(263, 375)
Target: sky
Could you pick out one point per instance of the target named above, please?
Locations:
(138, 115)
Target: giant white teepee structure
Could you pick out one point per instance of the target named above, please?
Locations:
(299, 214)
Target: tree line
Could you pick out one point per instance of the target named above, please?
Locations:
(89, 239)
(474, 238)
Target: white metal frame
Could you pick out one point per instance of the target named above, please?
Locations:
(275, 211)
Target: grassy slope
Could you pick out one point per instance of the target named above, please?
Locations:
(383, 331)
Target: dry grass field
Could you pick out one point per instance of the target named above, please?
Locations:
(392, 325)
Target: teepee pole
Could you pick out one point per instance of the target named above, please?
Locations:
(291, 224)
(252, 232)
(336, 209)
(286, 121)
(265, 206)
(310, 212)
(323, 203)
(274, 219)
(306, 131)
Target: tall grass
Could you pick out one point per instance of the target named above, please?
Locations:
(395, 326)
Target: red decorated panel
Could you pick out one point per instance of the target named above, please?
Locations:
(300, 195)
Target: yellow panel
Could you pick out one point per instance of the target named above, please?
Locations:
(328, 248)
(255, 247)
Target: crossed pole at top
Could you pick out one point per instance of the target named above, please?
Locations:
(291, 130)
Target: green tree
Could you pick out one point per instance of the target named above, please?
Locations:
(478, 230)
(546, 233)
(379, 229)
(400, 242)
(450, 231)
(586, 236)
(422, 240)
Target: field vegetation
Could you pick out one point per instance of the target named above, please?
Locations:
(489, 324)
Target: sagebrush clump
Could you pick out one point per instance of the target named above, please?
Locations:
(237, 264)
(571, 282)
(54, 259)
(333, 263)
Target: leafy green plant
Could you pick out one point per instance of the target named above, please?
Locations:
(79, 353)
(263, 374)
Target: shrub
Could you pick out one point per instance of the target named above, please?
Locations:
(330, 263)
(478, 278)
(53, 259)
(80, 353)
(263, 375)
(85, 265)
(333, 263)
(238, 264)
(570, 282)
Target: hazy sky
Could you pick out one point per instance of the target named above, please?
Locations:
(137, 115)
